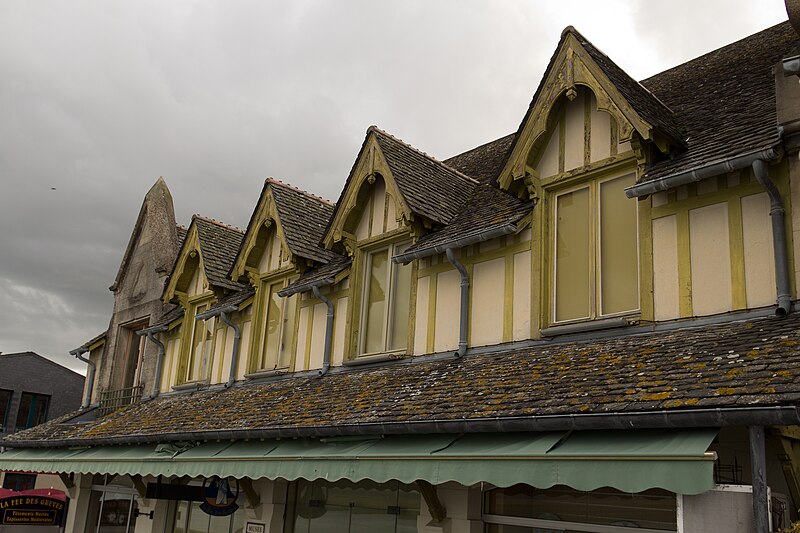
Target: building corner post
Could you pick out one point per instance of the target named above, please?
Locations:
(758, 467)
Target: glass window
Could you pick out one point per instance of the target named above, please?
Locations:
(19, 482)
(596, 269)
(387, 293)
(32, 410)
(346, 507)
(201, 346)
(525, 509)
(5, 407)
(278, 327)
(189, 518)
(112, 507)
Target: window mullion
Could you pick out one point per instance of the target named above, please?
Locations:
(389, 319)
(594, 242)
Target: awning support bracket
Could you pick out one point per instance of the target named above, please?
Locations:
(253, 499)
(67, 479)
(428, 492)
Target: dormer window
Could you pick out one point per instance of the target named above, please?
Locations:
(200, 347)
(385, 302)
(278, 327)
(595, 251)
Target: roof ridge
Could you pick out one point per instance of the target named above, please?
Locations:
(487, 143)
(301, 191)
(217, 223)
(376, 129)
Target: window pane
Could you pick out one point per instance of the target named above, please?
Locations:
(32, 410)
(287, 337)
(401, 299)
(619, 264)
(201, 346)
(375, 311)
(573, 266)
(272, 323)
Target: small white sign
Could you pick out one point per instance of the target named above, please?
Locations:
(255, 527)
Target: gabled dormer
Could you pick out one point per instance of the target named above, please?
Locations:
(199, 279)
(281, 242)
(589, 133)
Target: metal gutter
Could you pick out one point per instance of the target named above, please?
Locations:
(661, 419)
(699, 173)
(466, 240)
(288, 291)
(78, 352)
(150, 333)
(777, 214)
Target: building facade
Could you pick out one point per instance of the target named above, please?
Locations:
(586, 325)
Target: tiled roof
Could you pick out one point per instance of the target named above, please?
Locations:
(484, 162)
(648, 106)
(167, 318)
(430, 187)
(182, 231)
(321, 273)
(487, 208)
(724, 100)
(85, 346)
(234, 298)
(755, 362)
(303, 218)
(219, 243)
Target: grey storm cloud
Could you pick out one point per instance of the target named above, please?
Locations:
(98, 99)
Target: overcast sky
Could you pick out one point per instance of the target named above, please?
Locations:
(98, 99)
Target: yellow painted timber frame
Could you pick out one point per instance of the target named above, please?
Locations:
(262, 282)
(680, 205)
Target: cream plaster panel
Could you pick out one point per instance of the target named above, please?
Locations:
(711, 259)
(170, 376)
(220, 354)
(574, 134)
(362, 230)
(197, 283)
(378, 204)
(263, 261)
(302, 339)
(666, 292)
(446, 321)
(275, 254)
(624, 147)
(707, 186)
(339, 331)
(49, 481)
(521, 323)
(318, 335)
(660, 198)
(548, 163)
(759, 261)
(244, 348)
(492, 244)
(600, 140)
(421, 320)
(391, 214)
(488, 290)
(525, 235)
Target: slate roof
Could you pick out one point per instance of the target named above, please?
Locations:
(724, 100)
(169, 317)
(488, 208)
(219, 243)
(182, 232)
(322, 273)
(85, 346)
(484, 162)
(234, 298)
(304, 218)
(729, 365)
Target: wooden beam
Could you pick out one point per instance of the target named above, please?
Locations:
(141, 488)
(67, 479)
(428, 491)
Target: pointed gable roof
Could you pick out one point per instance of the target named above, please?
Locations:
(484, 162)
(430, 187)
(576, 61)
(219, 243)
(303, 217)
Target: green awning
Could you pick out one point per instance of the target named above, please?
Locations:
(631, 461)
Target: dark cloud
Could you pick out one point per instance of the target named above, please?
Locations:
(99, 99)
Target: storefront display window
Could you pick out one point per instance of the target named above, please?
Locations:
(345, 507)
(189, 518)
(112, 506)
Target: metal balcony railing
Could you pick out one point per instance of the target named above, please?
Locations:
(111, 400)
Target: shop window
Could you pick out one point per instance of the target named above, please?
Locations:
(112, 507)
(385, 302)
(32, 410)
(189, 518)
(201, 346)
(5, 407)
(19, 482)
(595, 248)
(524, 509)
(277, 339)
(345, 507)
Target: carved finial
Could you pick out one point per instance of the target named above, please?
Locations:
(371, 178)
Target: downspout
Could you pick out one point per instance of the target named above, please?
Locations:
(326, 355)
(151, 336)
(777, 213)
(237, 337)
(464, 305)
(78, 352)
